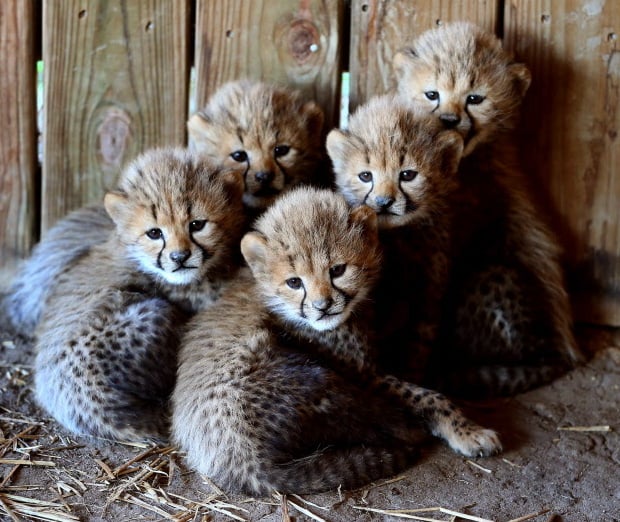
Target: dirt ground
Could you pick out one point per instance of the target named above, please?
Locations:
(561, 463)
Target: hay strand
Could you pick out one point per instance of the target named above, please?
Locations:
(33, 508)
(136, 501)
(603, 428)
(8, 510)
(107, 470)
(26, 462)
(530, 516)
(405, 513)
(306, 512)
(408, 513)
(309, 503)
(475, 465)
(284, 507)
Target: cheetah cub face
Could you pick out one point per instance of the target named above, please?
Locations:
(178, 216)
(268, 133)
(463, 76)
(314, 259)
(395, 162)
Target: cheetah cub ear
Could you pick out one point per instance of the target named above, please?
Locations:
(118, 207)
(521, 77)
(403, 60)
(339, 148)
(254, 250)
(200, 131)
(313, 114)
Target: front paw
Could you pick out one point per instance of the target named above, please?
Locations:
(475, 441)
(478, 442)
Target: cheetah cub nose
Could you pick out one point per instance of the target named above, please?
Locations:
(264, 177)
(384, 202)
(450, 120)
(322, 304)
(180, 256)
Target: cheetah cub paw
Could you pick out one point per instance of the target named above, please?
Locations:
(474, 441)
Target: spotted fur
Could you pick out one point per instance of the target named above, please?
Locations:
(62, 245)
(403, 166)
(106, 344)
(275, 388)
(509, 310)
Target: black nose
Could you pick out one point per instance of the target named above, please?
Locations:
(384, 202)
(180, 256)
(264, 176)
(449, 120)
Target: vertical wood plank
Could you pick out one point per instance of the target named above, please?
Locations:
(116, 78)
(570, 140)
(380, 27)
(289, 42)
(18, 141)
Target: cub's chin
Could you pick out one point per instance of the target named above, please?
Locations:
(396, 220)
(180, 277)
(327, 322)
(183, 276)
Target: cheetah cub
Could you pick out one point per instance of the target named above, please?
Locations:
(462, 75)
(106, 344)
(268, 133)
(508, 308)
(402, 166)
(275, 389)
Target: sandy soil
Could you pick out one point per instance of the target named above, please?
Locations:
(548, 471)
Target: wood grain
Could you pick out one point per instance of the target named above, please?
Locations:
(116, 78)
(289, 42)
(18, 137)
(570, 140)
(380, 27)
(117, 82)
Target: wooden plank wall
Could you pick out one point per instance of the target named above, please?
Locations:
(117, 82)
(292, 42)
(570, 141)
(18, 139)
(116, 78)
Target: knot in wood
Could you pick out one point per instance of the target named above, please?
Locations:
(113, 135)
(303, 40)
